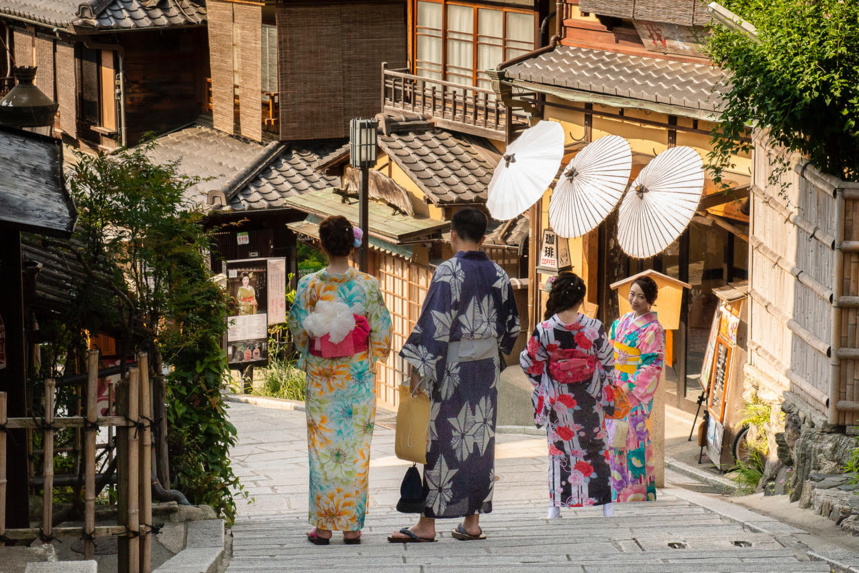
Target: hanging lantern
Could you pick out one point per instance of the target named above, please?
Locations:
(554, 254)
(26, 106)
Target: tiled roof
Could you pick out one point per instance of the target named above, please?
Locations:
(446, 168)
(512, 233)
(292, 173)
(669, 82)
(251, 176)
(213, 156)
(106, 14)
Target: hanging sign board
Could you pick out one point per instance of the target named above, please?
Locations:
(276, 291)
(554, 254)
(242, 238)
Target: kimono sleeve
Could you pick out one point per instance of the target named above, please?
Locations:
(651, 343)
(509, 318)
(297, 314)
(533, 361)
(380, 322)
(426, 347)
(605, 356)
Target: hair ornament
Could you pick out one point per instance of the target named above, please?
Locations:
(547, 287)
(359, 236)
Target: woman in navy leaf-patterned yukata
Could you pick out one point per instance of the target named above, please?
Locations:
(569, 362)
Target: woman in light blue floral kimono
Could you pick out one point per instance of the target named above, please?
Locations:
(341, 327)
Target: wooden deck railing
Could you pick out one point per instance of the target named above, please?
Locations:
(270, 106)
(451, 106)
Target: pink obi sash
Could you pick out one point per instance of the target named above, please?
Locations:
(355, 342)
(571, 366)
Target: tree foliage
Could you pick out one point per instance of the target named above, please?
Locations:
(138, 235)
(800, 81)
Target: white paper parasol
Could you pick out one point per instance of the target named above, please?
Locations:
(591, 186)
(527, 169)
(660, 202)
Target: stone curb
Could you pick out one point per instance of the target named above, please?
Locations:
(203, 552)
(527, 430)
(263, 402)
(834, 564)
(724, 485)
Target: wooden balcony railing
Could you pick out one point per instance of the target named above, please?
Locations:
(270, 106)
(467, 109)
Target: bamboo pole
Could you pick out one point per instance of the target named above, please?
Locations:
(145, 484)
(2, 466)
(792, 377)
(30, 532)
(121, 405)
(48, 470)
(89, 454)
(132, 478)
(70, 422)
(835, 383)
(800, 331)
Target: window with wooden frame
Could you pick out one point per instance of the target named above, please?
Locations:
(457, 42)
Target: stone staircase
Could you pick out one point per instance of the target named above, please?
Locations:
(667, 536)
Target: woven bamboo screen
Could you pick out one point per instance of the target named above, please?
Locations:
(220, 25)
(67, 88)
(346, 45)
(248, 22)
(23, 47)
(45, 61)
(616, 8)
(675, 12)
(681, 12)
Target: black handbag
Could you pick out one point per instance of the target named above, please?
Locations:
(411, 492)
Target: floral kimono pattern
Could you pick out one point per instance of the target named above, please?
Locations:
(639, 345)
(469, 315)
(573, 407)
(341, 399)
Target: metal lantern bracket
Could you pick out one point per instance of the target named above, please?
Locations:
(362, 155)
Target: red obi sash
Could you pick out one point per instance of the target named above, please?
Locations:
(571, 366)
(355, 342)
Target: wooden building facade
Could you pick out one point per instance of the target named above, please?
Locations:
(603, 75)
(116, 69)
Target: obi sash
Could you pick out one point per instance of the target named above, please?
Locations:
(571, 366)
(472, 349)
(626, 358)
(356, 342)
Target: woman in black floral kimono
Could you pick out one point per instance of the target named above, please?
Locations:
(569, 361)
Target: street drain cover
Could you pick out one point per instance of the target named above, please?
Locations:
(741, 543)
(677, 545)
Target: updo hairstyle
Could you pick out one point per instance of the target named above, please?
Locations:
(568, 290)
(649, 288)
(336, 236)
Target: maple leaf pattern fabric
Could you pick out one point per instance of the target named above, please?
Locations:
(341, 399)
(573, 413)
(642, 343)
(470, 297)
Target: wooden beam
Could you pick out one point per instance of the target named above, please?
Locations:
(848, 301)
(848, 353)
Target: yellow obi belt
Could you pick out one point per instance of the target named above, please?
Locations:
(626, 358)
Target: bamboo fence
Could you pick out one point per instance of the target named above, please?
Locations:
(134, 480)
(804, 283)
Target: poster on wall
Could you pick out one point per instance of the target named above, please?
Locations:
(247, 335)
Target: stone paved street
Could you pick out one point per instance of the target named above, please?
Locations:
(683, 531)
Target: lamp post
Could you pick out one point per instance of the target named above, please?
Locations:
(362, 151)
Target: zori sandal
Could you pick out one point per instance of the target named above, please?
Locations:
(411, 537)
(461, 534)
(315, 539)
(352, 540)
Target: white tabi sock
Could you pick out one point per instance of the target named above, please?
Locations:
(608, 510)
(554, 513)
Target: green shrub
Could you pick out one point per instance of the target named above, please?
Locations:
(282, 380)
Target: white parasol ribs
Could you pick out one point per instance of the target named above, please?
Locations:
(660, 202)
(526, 170)
(590, 187)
